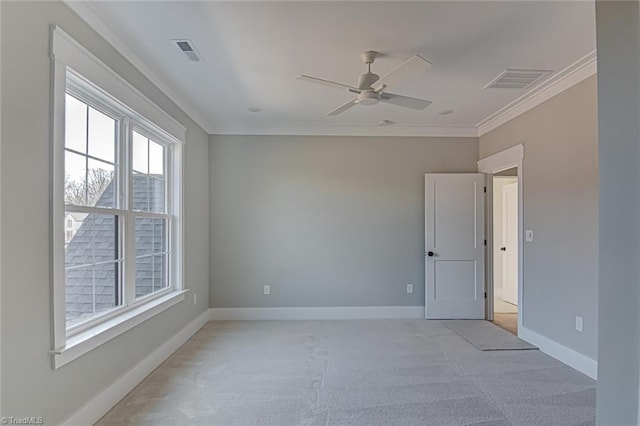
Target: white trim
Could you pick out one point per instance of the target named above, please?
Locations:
(99, 405)
(85, 341)
(350, 130)
(502, 160)
(511, 157)
(580, 70)
(568, 356)
(90, 15)
(318, 313)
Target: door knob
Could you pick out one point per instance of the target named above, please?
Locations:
(503, 248)
(430, 254)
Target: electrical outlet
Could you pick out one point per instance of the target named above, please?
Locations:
(409, 288)
(528, 235)
(195, 298)
(267, 289)
(579, 324)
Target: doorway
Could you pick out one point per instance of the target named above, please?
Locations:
(501, 163)
(505, 249)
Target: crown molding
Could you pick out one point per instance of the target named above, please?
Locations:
(93, 18)
(337, 130)
(580, 70)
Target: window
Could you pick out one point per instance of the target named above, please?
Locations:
(116, 175)
(116, 202)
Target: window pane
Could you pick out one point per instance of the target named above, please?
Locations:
(160, 272)
(140, 192)
(106, 294)
(140, 153)
(78, 294)
(80, 248)
(156, 195)
(151, 270)
(92, 260)
(95, 240)
(73, 221)
(144, 236)
(75, 172)
(159, 236)
(144, 276)
(75, 129)
(156, 159)
(102, 136)
(104, 237)
(101, 187)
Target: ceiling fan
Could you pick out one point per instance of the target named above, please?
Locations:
(371, 88)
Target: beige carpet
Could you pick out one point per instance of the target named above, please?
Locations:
(369, 372)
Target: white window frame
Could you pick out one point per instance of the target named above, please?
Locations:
(103, 89)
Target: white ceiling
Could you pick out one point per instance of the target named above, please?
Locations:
(253, 50)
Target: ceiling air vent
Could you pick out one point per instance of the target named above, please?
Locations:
(187, 47)
(513, 78)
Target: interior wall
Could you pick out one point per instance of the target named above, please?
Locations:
(326, 221)
(560, 178)
(32, 387)
(618, 42)
(498, 183)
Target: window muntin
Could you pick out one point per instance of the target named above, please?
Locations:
(115, 173)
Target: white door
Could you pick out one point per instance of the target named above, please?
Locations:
(510, 243)
(454, 246)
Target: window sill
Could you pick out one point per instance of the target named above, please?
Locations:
(87, 340)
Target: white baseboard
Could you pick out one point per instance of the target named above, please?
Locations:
(98, 406)
(318, 313)
(568, 356)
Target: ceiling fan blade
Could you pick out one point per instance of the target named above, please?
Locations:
(342, 108)
(327, 83)
(412, 67)
(404, 101)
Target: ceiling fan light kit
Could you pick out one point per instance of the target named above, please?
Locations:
(371, 87)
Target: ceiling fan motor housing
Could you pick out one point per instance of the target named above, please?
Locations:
(368, 97)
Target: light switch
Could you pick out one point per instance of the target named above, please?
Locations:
(528, 235)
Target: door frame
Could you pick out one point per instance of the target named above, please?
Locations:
(507, 159)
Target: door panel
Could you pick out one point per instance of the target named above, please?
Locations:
(454, 234)
(456, 280)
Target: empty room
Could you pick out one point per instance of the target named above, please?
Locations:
(320, 212)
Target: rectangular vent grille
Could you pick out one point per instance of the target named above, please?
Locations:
(184, 46)
(512, 78)
(189, 50)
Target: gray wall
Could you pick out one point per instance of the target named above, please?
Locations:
(618, 30)
(326, 221)
(560, 178)
(31, 387)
